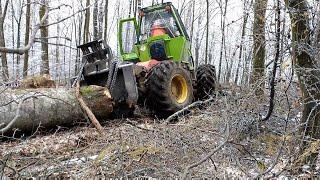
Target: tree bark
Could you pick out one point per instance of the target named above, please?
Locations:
(49, 107)
(243, 34)
(308, 75)
(95, 19)
(100, 20)
(207, 33)
(44, 69)
(4, 61)
(106, 8)
(223, 10)
(259, 46)
(86, 23)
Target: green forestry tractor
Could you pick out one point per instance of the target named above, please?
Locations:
(156, 69)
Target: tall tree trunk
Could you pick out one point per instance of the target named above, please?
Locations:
(78, 37)
(243, 34)
(308, 75)
(95, 19)
(18, 42)
(246, 65)
(86, 23)
(26, 39)
(100, 20)
(13, 38)
(106, 10)
(207, 33)
(4, 61)
(58, 64)
(197, 43)
(223, 25)
(259, 45)
(212, 49)
(192, 23)
(44, 69)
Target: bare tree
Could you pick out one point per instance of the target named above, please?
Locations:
(26, 39)
(259, 45)
(223, 9)
(100, 20)
(243, 34)
(95, 19)
(18, 20)
(44, 68)
(207, 33)
(192, 22)
(86, 23)
(4, 61)
(197, 42)
(106, 10)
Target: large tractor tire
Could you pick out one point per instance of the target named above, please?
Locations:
(206, 81)
(169, 88)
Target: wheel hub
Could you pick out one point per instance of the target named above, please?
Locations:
(179, 89)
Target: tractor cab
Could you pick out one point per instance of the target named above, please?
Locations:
(158, 34)
(158, 22)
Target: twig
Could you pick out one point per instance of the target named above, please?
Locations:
(65, 18)
(191, 106)
(87, 110)
(204, 159)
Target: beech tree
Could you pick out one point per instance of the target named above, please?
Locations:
(44, 68)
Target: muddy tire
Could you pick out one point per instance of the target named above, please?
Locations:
(169, 88)
(206, 81)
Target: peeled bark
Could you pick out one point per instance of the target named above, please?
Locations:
(50, 107)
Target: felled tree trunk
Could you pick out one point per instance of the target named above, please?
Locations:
(26, 109)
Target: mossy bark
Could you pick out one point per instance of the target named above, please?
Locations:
(52, 107)
(259, 45)
(308, 74)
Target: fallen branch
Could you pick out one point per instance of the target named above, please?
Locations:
(87, 110)
(191, 106)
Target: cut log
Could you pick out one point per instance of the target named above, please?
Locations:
(25, 109)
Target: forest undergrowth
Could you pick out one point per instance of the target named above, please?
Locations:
(224, 139)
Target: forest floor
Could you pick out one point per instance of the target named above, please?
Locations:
(229, 128)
